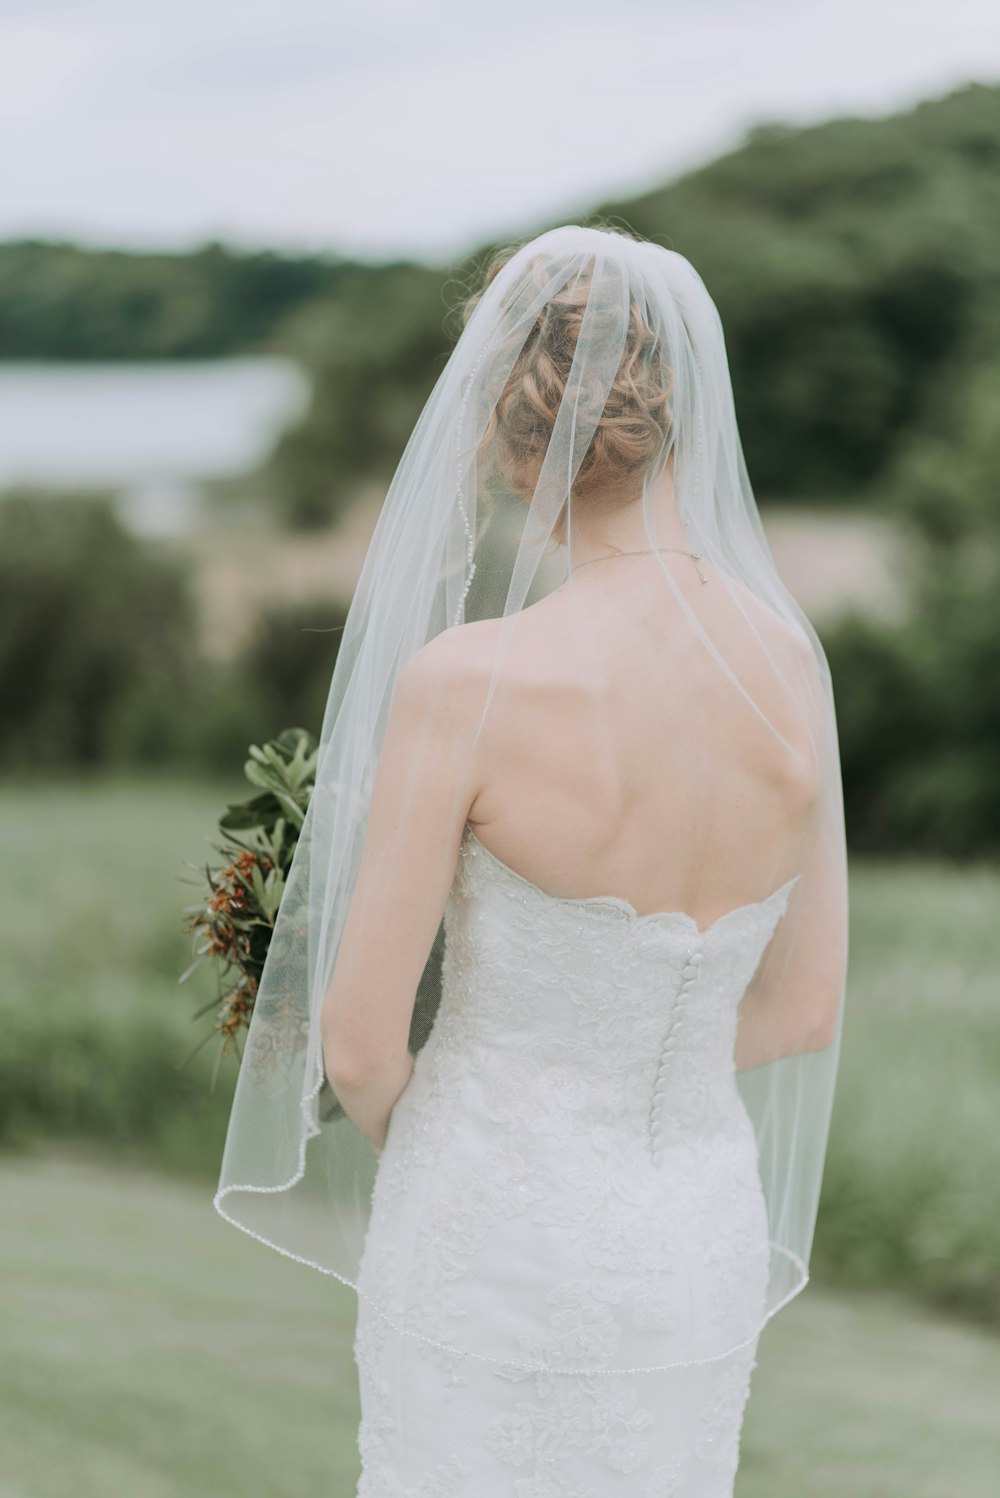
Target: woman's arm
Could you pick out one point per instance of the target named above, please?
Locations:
(794, 1000)
(424, 786)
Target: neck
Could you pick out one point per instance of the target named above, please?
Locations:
(623, 527)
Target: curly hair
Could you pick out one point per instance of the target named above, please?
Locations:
(633, 425)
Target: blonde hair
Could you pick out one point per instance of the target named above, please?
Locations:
(634, 425)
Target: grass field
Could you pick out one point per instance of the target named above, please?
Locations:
(95, 1024)
(91, 948)
(149, 1349)
(152, 1351)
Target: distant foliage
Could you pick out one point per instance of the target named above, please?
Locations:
(101, 661)
(853, 263)
(919, 703)
(96, 1030)
(374, 350)
(97, 638)
(286, 665)
(62, 301)
(909, 1196)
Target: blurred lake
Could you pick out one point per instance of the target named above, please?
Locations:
(153, 432)
(157, 434)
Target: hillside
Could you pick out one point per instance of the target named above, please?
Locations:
(854, 264)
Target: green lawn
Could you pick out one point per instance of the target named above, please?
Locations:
(150, 1350)
(92, 895)
(95, 1024)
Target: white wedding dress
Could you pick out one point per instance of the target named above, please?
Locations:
(569, 1179)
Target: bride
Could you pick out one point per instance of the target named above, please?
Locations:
(543, 1056)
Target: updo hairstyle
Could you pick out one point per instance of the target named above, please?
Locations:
(633, 426)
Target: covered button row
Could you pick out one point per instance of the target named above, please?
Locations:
(688, 974)
(690, 969)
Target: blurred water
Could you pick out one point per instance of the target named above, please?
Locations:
(154, 432)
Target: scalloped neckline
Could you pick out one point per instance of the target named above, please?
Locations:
(618, 902)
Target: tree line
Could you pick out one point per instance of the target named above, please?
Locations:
(854, 265)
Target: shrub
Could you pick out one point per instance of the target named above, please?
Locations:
(97, 637)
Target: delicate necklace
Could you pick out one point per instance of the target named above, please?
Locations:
(695, 556)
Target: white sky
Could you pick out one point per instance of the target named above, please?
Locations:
(422, 127)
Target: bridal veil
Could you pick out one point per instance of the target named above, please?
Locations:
(587, 350)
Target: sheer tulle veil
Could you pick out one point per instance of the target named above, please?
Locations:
(478, 524)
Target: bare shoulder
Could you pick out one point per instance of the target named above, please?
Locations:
(447, 677)
(790, 696)
(459, 653)
(782, 634)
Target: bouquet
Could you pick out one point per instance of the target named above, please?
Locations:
(234, 919)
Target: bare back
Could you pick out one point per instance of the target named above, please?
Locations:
(617, 738)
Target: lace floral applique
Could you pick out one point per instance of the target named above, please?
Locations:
(379, 1433)
(722, 1417)
(524, 1210)
(592, 1417)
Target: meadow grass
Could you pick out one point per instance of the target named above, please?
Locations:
(152, 1351)
(91, 949)
(910, 1194)
(95, 1025)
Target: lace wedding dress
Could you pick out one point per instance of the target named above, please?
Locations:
(569, 1178)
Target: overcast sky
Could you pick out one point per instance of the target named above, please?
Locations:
(422, 127)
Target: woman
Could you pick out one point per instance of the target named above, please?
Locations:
(579, 729)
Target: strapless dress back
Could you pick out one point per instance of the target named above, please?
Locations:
(568, 1233)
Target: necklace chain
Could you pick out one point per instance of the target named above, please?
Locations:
(695, 556)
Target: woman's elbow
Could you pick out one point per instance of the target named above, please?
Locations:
(348, 1072)
(354, 1063)
(825, 1028)
(348, 1063)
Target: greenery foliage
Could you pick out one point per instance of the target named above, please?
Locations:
(919, 702)
(373, 349)
(97, 637)
(854, 266)
(101, 661)
(62, 301)
(237, 916)
(853, 263)
(96, 1029)
(907, 1200)
(235, 919)
(286, 664)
